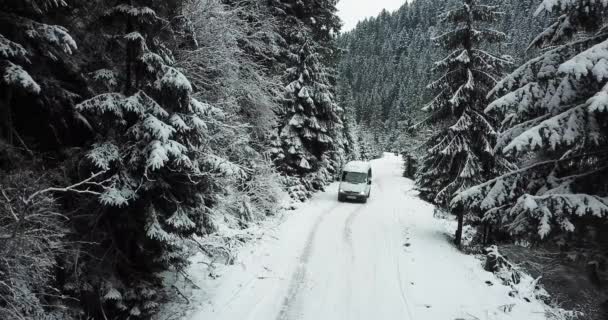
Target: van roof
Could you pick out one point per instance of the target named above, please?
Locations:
(357, 166)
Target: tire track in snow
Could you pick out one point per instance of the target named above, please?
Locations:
(396, 256)
(297, 279)
(347, 235)
(348, 232)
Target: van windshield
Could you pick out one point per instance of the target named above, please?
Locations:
(354, 177)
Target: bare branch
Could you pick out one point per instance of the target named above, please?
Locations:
(8, 204)
(72, 188)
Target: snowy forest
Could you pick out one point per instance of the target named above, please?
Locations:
(130, 128)
(136, 133)
(501, 106)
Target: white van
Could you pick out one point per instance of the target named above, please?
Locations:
(355, 181)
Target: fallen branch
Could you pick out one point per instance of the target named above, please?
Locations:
(28, 150)
(181, 294)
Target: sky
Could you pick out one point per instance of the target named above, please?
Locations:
(353, 11)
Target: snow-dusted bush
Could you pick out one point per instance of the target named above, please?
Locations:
(249, 200)
(247, 94)
(295, 188)
(232, 59)
(557, 313)
(523, 286)
(264, 190)
(33, 239)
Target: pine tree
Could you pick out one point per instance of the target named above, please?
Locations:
(460, 155)
(555, 116)
(310, 129)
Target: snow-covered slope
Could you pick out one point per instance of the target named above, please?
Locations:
(387, 259)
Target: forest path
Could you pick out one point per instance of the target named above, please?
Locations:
(387, 259)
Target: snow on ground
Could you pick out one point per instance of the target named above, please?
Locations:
(387, 259)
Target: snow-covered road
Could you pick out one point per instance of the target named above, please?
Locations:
(387, 259)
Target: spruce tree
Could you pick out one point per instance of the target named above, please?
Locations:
(368, 149)
(309, 135)
(555, 115)
(352, 148)
(350, 128)
(153, 149)
(461, 154)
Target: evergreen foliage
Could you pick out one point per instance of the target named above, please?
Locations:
(352, 147)
(309, 140)
(133, 132)
(553, 109)
(152, 146)
(461, 155)
(159, 114)
(387, 62)
(24, 43)
(36, 94)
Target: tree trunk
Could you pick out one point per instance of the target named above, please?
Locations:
(7, 118)
(489, 237)
(458, 237)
